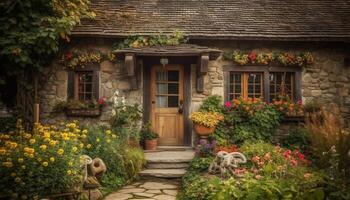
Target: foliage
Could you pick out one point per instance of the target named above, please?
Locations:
(247, 119)
(157, 40)
(125, 116)
(312, 106)
(30, 31)
(200, 164)
(297, 138)
(147, 133)
(49, 155)
(7, 124)
(212, 104)
(271, 174)
(62, 106)
(208, 119)
(75, 58)
(283, 58)
(205, 148)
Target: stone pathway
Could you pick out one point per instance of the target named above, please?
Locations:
(156, 189)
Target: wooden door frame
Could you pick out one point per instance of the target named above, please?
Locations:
(180, 138)
(186, 62)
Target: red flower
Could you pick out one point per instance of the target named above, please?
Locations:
(252, 56)
(293, 162)
(287, 153)
(228, 104)
(69, 56)
(300, 102)
(101, 101)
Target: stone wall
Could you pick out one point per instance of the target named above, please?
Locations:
(328, 80)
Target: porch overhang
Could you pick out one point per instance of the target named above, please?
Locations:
(204, 54)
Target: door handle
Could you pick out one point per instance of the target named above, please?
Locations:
(180, 107)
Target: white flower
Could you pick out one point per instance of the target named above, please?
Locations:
(123, 100)
(333, 150)
(114, 113)
(116, 93)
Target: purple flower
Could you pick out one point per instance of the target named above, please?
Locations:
(203, 142)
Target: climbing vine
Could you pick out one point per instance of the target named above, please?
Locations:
(282, 58)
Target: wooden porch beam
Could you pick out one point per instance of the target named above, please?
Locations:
(130, 64)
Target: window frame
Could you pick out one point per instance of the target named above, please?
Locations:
(73, 82)
(266, 70)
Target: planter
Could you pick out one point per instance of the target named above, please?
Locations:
(151, 144)
(203, 131)
(86, 112)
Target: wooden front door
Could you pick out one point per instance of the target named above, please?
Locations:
(166, 103)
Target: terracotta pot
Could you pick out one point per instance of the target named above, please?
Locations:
(151, 144)
(203, 130)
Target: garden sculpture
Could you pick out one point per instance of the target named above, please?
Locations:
(92, 170)
(225, 163)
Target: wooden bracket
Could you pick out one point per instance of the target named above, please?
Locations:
(130, 64)
(202, 70)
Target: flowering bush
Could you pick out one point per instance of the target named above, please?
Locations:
(208, 119)
(285, 59)
(205, 148)
(288, 107)
(49, 155)
(75, 58)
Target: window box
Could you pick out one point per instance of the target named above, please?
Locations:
(83, 112)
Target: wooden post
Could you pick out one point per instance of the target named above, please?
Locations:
(36, 112)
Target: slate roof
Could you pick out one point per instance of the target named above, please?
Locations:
(234, 19)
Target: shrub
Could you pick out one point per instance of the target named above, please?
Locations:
(47, 155)
(297, 138)
(200, 164)
(212, 104)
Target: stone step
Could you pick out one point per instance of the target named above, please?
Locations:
(163, 173)
(169, 156)
(160, 165)
(174, 148)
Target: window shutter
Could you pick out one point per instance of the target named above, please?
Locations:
(70, 85)
(96, 85)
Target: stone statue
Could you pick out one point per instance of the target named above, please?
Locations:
(225, 163)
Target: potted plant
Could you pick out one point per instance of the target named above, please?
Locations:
(149, 137)
(205, 122)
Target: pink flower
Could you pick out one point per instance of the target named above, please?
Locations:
(101, 101)
(228, 104)
(252, 56)
(267, 156)
(293, 162)
(300, 102)
(257, 176)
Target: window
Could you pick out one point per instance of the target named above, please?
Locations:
(265, 82)
(281, 85)
(245, 84)
(84, 85)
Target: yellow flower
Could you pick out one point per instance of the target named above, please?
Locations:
(69, 172)
(88, 146)
(31, 155)
(39, 159)
(108, 140)
(114, 136)
(108, 132)
(13, 174)
(60, 151)
(2, 151)
(83, 136)
(32, 141)
(29, 150)
(52, 143)
(47, 135)
(17, 180)
(23, 167)
(81, 145)
(70, 163)
(43, 147)
(97, 139)
(74, 149)
(74, 172)
(7, 164)
(20, 160)
(84, 131)
(27, 135)
(45, 164)
(52, 159)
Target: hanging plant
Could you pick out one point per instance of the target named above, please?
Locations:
(285, 58)
(76, 58)
(174, 39)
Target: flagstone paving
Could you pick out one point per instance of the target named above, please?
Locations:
(156, 189)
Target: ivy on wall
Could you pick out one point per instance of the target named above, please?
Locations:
(301, 59)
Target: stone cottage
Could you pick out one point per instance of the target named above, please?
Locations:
(171, 81)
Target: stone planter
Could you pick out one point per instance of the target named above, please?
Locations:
(86, 112)
(203, 131)
(151, 144)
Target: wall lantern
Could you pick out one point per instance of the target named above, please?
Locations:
(164, 61)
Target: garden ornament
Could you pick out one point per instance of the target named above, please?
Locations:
(85, 160)
(97, 168)
(225, 162)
